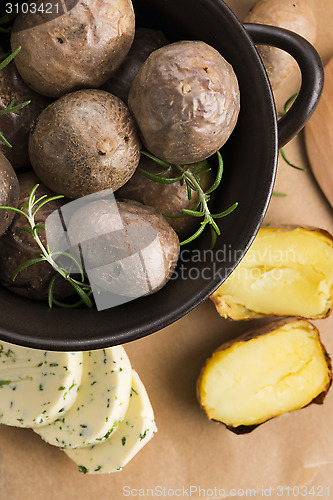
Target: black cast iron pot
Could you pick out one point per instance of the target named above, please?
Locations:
(250, 158)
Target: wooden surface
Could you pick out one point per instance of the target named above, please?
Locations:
(319, 137)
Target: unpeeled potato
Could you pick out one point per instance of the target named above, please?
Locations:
(288, 271)
(294, 15)
(265, 373)
(79, 48)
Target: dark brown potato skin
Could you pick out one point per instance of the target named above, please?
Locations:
(167, 198)
(9, 192)
(17, 247)
(145, 42)
(185, 99)
(84, 142)
(16, 126)
(101, 219)
(79, 49)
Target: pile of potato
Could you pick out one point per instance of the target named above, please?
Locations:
(100, 91)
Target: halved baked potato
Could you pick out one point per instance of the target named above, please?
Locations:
(288, 271)
(265, 373)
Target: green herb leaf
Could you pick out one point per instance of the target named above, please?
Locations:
(4, 382)
(160, 162)
(84, 296)
(196, 234)
(26, 264)
(50, 290)
(218, 176)
(214, 237)
(16, 210)
(226, 212)
(283, 154)
(278, 193)
(193, 212)
(14, 108)
(4, 140)
(157, 178)
(52, 198)
(9, 58)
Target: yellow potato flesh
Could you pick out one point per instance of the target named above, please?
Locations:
(285, 272)
(255, 380)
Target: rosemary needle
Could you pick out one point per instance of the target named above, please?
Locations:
(190, 176)
(31, 209)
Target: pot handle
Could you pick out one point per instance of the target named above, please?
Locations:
(312, 72)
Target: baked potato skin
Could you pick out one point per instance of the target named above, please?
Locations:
(232, 309)
(16, 126)
(84, 142)
(185, 99)
(255, 334)
(9, 192)
(16, 247)
(86, 45)
(145, 42)
(142, 231)
(294, 15)
(167, 198)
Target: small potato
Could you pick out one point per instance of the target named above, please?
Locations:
(294, 15)
(145, 42)
(79, 48)
(127, 248)
(267, 372)
(185, 99)
(16, 126)
(167, 198)
(288, 271)
(9, 192)
(16, 247)
(84, 142)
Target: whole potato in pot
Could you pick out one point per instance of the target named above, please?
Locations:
(9, 192)
(79, 48)
(185, 99)
(145, 42)
(17, 246)
(127, 248)
(294, 15)
(16, 126)
(84, 142)
(167, 198)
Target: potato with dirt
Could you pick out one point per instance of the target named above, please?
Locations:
(127, 248)
(79, 48)
(185, 99)
(145, 42)
(167, 198)
(9, 192)
(17, 247)
(84, 142)
(294, 15)
(16, 126)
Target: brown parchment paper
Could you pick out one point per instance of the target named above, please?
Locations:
(188, 450)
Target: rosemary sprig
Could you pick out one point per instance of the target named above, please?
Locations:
(286, 108)
(12, 108)
(29, 211)
(190, 177)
